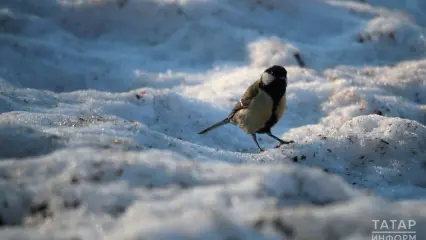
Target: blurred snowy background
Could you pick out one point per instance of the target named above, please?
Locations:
(101, 102)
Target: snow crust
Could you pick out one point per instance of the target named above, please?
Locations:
(101, 102)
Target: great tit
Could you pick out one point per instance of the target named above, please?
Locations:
(261, 107)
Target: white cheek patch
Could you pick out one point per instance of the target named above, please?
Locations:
(267, 78)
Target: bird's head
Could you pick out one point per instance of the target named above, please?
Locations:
(274, 73)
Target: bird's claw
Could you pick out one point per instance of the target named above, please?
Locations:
(286, 142)
(283, 142)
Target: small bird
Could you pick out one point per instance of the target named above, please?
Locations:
(261, 107)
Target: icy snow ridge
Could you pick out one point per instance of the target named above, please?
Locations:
(101, 102)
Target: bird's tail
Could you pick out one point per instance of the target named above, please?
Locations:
(216, 125)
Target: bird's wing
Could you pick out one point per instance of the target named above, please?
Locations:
(245, 101)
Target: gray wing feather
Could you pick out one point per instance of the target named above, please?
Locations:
(247, 98)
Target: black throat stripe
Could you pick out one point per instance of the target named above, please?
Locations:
(276, 90)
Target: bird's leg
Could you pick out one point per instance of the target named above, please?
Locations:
(255, 140)
(278, 139)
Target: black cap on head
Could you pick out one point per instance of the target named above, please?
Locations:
(277, 71)
(274, 73)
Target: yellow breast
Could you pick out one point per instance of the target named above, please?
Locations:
(256, 115)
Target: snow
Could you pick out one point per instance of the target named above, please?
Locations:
(101, 102)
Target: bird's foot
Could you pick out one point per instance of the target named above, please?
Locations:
(284, 142)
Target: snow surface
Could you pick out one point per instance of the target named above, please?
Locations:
(101, 102)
